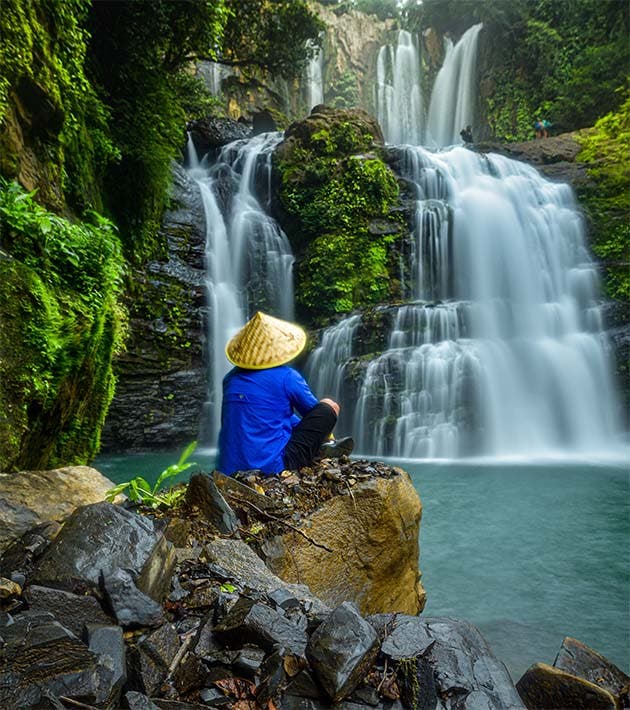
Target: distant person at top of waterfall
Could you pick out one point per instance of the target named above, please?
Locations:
(261, 395)
(466, 134)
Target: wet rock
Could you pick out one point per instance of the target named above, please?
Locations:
(138, 701)
(465, 670)
(130, 606)
(578, 659)
(150, 658)
(418, 685)
(284, 599)
(40, 657)
(161, 387)
(242, 563)
(303, 686)
(543, 686)
(272, 678)
(22, 553)
(263, 122)
(341, 650)
(211, 133)
(190, 674)
(214, 698)
(108, 644)
(29, 498)
(203, 493)
(356, 529)
(97, 540)
(71, 610)
(9, 589)
(252, 622)
(408, 638)
(248, 661)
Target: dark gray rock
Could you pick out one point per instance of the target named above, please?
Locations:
(263, 122)
(191, 674)
(273, 678)
(578, 659)
(467, 674)
(418, 684)
(101, 538)
(408, 638)
(341, 651)
(248, 661)
(22, 553)
(303, 686)
(211, 133)
(108, 644)
(150, 658)
(252, 622)
(130, 606)
(138, 701)
(214, 698)
(203, 493)
(243, 564)
(162, 387)
(283, 599)
(39, 658)
(71, 610)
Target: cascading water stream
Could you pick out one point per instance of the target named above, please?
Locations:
(315, 80)
(504, 353)
(400, 110)
(452, 105)
(248, 257)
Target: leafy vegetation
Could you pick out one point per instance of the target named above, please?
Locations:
(61, 324)
(139, 490)
(563, 60)
(332, 187)
(606, 199)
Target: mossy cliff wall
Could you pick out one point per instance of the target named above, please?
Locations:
(60, 278)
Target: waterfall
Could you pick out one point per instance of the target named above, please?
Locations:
(249, 262)
(452, 105)
(314, 80)
(399, 106)
(502, 353)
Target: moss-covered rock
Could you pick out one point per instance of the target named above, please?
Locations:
(336, 200)
(61, 323)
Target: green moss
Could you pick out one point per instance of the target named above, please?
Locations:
(332, 188)
(606, 199)
(61, 324)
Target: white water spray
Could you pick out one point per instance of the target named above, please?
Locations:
(505, 354)
(452, 105)
(248, 257)
(399, 103)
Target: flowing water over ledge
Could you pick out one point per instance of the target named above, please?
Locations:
(528, 552)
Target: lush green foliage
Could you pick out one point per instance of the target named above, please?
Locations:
(61, 324)
(562, 61)
(332, 191)
(139, 490)
(42, 57)
(607, 147)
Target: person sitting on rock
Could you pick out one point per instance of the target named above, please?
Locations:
(466, 134)
(261, 395)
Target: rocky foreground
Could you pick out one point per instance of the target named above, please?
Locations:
(116, 607)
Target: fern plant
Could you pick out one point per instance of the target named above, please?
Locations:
(139, 490)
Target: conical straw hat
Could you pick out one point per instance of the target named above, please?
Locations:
(265, 341)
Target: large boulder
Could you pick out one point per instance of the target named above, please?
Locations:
(211, 133)
(29, 498)
(100, 539)
(367, 547)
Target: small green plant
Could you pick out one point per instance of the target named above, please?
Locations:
(140, 490)
(227, 588)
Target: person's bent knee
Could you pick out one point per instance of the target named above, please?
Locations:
(332, 404)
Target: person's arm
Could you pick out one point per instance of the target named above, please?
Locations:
(298, 392)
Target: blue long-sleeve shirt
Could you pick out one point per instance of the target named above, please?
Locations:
(258, 416)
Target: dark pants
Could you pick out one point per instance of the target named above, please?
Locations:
(308, 436)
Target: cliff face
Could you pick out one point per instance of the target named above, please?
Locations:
(161, 376)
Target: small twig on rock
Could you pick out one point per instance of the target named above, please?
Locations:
(75, 703)
(179, 655)
(281, 521)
